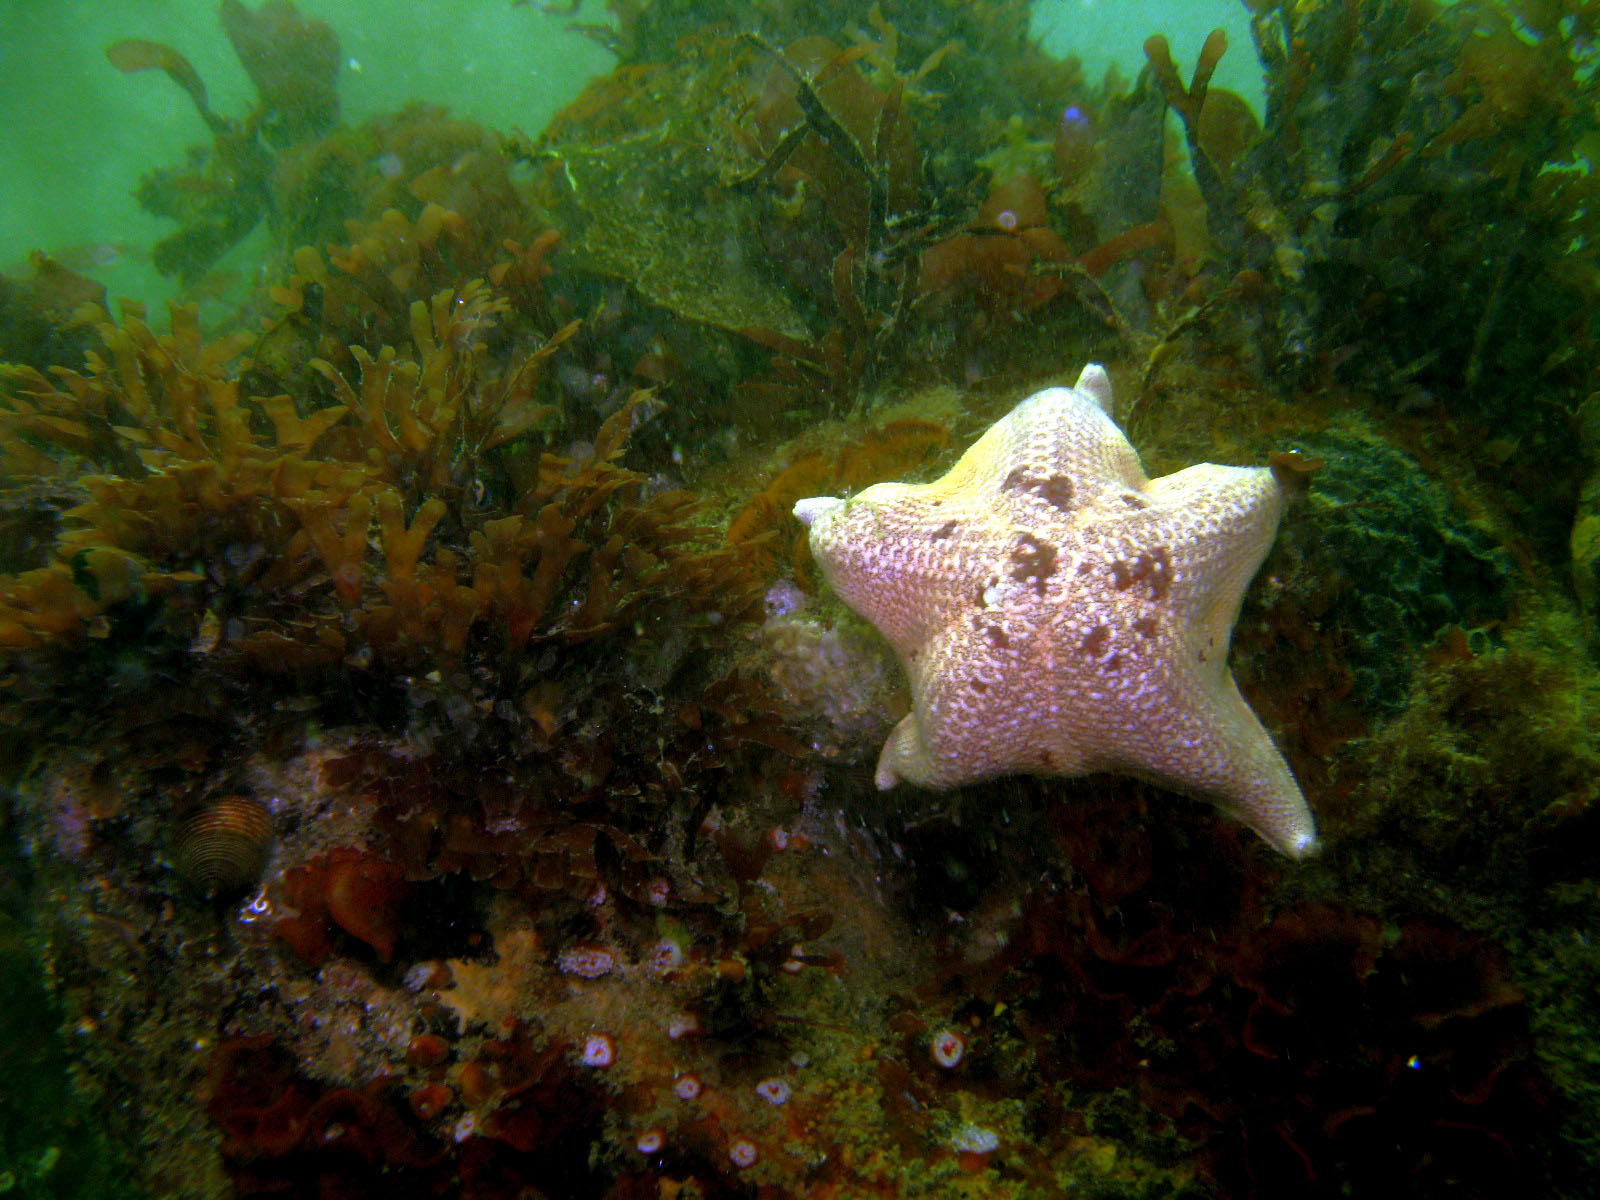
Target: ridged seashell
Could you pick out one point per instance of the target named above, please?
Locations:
(222, 846)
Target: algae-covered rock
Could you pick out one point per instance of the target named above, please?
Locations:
(1586, 521)
(47, 1147)
(1412, 560)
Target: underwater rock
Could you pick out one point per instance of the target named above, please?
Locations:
(838, 683)
(37, 315)
(1585, 540)
(452, 539)
(1411, 560)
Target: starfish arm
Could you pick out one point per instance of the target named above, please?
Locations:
(894, 553)
(904, 757)
(935, 758)
(979, 711)
(1222, 752)
(1096, 384)
(1227, 518)
(1059, 434)
(934, 745)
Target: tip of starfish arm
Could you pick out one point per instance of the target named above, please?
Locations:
(1302, 845)
(808, 510)
(1291, 830)
(1096, 384)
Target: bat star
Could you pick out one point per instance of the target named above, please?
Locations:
(1058, 612)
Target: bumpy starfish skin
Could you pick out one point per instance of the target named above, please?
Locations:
(1060, 613)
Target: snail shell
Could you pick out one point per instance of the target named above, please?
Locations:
(222, 846)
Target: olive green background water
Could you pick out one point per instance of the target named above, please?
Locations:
(76, 134)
